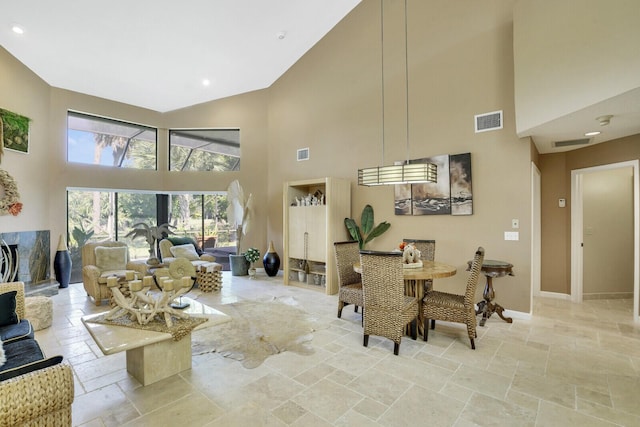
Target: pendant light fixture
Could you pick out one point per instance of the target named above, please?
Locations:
(405, 173)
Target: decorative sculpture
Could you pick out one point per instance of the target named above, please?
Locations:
(411, 256)
(143, 306)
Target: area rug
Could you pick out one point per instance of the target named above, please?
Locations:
(258, 329)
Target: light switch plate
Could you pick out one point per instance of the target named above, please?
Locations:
(511, 235)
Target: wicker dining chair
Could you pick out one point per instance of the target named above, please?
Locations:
(455, 308)
(349, 282)
(387, 309)
(427, 250)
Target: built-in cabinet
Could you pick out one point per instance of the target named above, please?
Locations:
(314, 213)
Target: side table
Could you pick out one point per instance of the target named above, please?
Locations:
(491, 269)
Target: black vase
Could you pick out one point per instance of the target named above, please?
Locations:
(271, 261)
(62, 263)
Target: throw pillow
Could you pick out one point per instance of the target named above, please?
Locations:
(187, 251)
(2, 356)
(8, 314)
(111, 258)
(183, 240)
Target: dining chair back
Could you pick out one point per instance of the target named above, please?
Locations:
(455, 308)
(349, 282)
(387, 309)
(427, 248)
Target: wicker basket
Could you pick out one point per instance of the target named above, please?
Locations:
(209, 277)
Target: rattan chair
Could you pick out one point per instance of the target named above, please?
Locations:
(387, 309)
(349, 282)
(455, 308)
(427, 250)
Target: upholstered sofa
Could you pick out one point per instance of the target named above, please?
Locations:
(34, 390)
(172, 248)
(101, 260)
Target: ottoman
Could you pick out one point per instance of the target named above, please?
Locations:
(39, 311)
(209, 276)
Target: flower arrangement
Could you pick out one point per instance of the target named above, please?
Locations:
(252, 255)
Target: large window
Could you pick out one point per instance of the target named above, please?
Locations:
(107, 142)
(204, 150)
(95, 215)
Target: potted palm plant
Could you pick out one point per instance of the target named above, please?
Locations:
(151, 234)
(239, 213)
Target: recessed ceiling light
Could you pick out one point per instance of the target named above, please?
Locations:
(592, 133)
(206, 82)
(17, 29)
(604, 120)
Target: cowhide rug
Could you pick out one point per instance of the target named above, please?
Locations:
(258, 329)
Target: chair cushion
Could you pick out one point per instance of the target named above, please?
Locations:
(8, 314)
(24, 356)
(17, 331)
(111, 258)
(183, 240)
(187, 251)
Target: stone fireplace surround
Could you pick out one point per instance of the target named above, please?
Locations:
(34, 261)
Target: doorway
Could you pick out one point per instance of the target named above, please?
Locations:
(536, 230)
(581, 232)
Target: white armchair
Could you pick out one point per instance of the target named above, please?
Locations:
(170, 252)
(101, 260)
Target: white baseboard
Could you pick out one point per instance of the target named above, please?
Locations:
(521, 315)
(555, 295)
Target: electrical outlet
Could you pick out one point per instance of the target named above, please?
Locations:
(515, 223)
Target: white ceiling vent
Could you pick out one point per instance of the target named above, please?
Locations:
(303, 154)
(571, 142)
(488, 121)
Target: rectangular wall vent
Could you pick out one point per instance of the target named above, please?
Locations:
(571, 142)
(488, 121)
(303, 154)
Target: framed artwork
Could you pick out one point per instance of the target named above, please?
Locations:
(451, 195)
(14, 131)
(460, 179)
(433, 198)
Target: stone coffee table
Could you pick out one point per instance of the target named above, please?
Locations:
(152, 356)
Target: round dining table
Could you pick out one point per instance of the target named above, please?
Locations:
(415, 279)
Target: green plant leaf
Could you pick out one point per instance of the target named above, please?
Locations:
(380, 228)
(366, 220)
(353, 229)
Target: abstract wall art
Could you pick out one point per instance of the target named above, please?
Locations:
(451, 195)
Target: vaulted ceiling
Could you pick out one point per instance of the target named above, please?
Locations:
(156, 54)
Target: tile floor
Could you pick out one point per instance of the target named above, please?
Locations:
(571, 365)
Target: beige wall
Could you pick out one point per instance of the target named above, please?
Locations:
(566, 51)
(330, 101)
(556, 222)
(26, 94)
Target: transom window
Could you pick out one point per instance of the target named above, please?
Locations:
(101, 141)
(204, 150)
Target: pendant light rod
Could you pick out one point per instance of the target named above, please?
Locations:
(403, 173)
(382, 70)
(406, 72)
